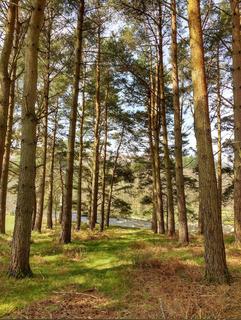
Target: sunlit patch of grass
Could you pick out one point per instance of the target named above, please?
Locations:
(92, 260)
(100, 261)
(6, 308)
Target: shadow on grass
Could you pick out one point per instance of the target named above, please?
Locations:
(57, 276)
(92, 263)
(99, 264)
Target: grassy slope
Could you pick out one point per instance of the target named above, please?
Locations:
(112, 263)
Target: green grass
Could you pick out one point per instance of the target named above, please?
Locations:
(90, 261)
(85, 263)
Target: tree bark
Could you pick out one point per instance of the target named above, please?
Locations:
(40, 205)
(158, 187)
(102, 211)
(5, 81)
(96, 151)
(181, 200)
(80, 174)
(237, 116)
(19, 266)
(34, 205)
(215, 257)
(200, 216)
(67, 212)
(219, 124)
(167, 162)
(150, 106)
(62, 191)
(5, 165)
(155, 145)
(51, 175)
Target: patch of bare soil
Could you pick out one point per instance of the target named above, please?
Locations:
(174, 290)
(69, 304)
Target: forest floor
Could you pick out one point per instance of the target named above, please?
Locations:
(119, 274)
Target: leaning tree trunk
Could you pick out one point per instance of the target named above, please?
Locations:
(5, 81)
(167, 161)
(67, 212)
(96, 151)
(215, 257)
(181, 200)
(5, 165)
(51, 175)
(19, 266)
(237, 116)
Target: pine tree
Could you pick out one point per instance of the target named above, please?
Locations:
(215, 257)
(67, 210)
(19, 266)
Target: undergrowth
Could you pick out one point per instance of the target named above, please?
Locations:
(130, 267)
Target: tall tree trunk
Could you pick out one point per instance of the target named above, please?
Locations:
(150, 129)
(80, 174)
(102, 211)
(96, 151)
(5, 81)
(112, 179)
(155, 124)
(237, 116)
(215, 257)
(40, 205)
(5, 165)
(19, 266)
(51, 175)
(67, 213)
(161, 94)
(219, 123)
(167, 162)
(154, 142)
(181, 200)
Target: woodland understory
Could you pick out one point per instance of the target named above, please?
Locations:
(120, 159)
